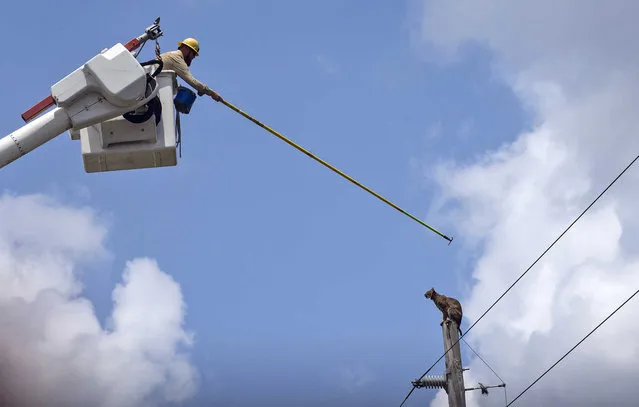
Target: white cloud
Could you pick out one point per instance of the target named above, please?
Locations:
(574, 66)
(53, 350)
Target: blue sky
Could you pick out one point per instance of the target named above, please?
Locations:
(292, 276)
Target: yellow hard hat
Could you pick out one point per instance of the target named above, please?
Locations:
(191, 43)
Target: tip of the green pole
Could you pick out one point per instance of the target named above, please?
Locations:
(450, 240)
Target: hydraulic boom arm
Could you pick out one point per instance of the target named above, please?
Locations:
(108, 85)
(152, 32)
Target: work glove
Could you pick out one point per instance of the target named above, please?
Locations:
(213, 94)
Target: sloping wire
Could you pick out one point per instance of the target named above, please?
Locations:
(573, 348)
(482, 359)
(525, 272)
(491, 369)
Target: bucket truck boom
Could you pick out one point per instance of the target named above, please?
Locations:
(121, 111)
(108, 85)
(152, 32)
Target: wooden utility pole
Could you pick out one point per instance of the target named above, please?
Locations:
(454, 371)
(453, 380)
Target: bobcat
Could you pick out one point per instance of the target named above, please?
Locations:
(450, 307)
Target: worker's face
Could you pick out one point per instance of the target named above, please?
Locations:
(190, 55)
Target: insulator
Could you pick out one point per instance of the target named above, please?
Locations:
(431, 382)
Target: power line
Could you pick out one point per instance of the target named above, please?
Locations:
(410, 392)
(493, 370)
(482, 359)
(525, 272)
(574, 347)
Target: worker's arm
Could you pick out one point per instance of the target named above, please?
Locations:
(182, 70)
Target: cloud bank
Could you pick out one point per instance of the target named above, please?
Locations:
(574, 66)
(53, 350)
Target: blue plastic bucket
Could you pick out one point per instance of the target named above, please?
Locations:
(184, 99)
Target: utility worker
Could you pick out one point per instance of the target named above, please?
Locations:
(180, 61)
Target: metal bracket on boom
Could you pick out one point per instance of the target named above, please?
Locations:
(152, 32)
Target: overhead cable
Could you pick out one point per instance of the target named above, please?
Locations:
(526, 271)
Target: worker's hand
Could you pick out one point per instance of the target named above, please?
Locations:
(215, 96)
